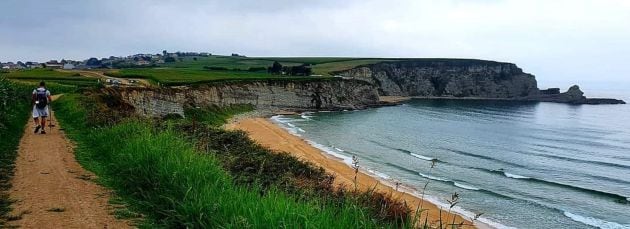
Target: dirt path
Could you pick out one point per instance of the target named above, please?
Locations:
(52, 190)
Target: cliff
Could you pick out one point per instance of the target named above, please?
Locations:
(271, 95)
(359, 87)
(462, 78)
(447, 78)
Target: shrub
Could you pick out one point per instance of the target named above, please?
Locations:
(14, 109)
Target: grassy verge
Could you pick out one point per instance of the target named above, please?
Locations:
(14, 109)
(162, 175)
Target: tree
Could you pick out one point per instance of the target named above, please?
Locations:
(93, 62)
(276, 68)
(169, 59)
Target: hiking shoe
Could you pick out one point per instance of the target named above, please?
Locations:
(43, 132)
(37, 128)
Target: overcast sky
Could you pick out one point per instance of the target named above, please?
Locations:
(557, 40)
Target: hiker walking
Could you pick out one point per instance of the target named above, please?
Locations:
(40, 99)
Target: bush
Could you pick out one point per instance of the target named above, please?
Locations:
(169, 59)
(14, 110)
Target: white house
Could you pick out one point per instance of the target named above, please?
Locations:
(68, 66)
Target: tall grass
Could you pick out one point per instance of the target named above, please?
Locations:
(163, 176)
(215, 115)
(251, 164)
(14, 110)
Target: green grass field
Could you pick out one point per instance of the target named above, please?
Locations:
(193, 70)
(49, 75)
(184, 76)
(228, 62)
(326, 69)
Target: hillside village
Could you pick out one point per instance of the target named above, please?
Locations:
(137, 60)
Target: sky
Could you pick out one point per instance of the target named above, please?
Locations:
(559, 41)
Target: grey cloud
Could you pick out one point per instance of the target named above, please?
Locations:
(554, 40)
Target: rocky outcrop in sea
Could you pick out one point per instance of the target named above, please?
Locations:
(572, 96)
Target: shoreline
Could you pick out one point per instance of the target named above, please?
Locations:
(540, 99)
(273, 136)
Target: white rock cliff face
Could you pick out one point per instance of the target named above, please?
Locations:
(447, 78)
(298, 95)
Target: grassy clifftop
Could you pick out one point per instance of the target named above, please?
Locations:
(208, 69)
(190, 174)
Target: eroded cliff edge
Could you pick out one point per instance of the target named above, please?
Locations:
(461, 78)
(331, 94)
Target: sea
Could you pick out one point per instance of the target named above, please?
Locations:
(521, 164)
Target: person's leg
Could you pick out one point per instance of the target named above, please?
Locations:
(37, 124)
(43, 124)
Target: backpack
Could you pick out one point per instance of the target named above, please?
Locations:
(41, 98)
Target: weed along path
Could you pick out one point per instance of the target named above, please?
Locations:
(51, 189)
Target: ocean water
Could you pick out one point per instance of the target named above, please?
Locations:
(523, 165)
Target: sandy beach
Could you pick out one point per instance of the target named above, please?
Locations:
(270, 135)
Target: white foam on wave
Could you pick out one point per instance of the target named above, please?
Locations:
(510, 175)
(421, 157)
(295, 127)
(284, 119)
(379, 174)
(306, 115)
(599, 223)
(433, 178)
(287, 125)
(466, 186)
(346, 159)
(463, 212)
(340, 150)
